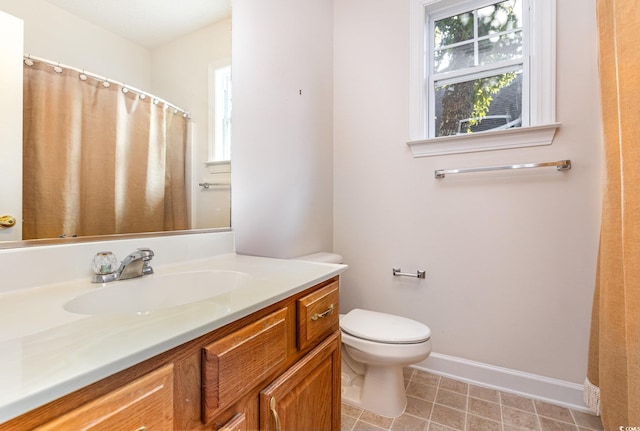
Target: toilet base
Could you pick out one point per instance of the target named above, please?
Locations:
(381, 391)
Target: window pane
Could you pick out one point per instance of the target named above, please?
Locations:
(499, 17)
(499, 48)
(454, 29)
(491, 103)
(449, 59)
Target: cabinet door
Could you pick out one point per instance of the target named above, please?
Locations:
(307, 396)
(144, 404)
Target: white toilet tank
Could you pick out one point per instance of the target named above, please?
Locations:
(322, 256)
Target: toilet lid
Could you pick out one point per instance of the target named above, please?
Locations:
(384, 328)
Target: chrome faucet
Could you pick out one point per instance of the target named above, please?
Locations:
(136, 264)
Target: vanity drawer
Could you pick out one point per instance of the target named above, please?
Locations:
(318, 315)
(145, 403)
(238, 362)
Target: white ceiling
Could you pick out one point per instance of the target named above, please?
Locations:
(149, 23)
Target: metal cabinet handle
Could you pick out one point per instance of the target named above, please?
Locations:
(7, 221)
(272, 407)
(142, 428)
(326, 313)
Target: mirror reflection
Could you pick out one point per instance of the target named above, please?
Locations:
(178, 63)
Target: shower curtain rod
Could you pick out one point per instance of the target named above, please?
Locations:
(126, 88)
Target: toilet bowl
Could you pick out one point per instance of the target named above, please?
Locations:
(375, 348)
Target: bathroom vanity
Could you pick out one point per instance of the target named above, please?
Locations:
(264, 356)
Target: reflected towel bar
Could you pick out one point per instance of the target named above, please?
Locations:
(207, 185)
(561, 165)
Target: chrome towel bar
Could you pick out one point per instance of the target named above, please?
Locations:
(561, 165)
(418, 274)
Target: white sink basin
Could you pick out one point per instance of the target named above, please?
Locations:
(155, 292)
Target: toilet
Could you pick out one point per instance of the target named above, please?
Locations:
(375, 347)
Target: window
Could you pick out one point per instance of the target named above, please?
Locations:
(220, 119)
(482, 66)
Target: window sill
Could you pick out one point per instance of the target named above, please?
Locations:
(218, 167)
(485, 141)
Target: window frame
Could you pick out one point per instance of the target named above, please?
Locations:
(539, 126)
(219, 133)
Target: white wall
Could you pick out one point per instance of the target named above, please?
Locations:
(11, 31)
(282, 139)
(510, 257)
(57, 35)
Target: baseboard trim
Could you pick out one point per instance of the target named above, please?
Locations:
(528, 385)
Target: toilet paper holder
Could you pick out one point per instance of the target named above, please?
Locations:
(418, 274)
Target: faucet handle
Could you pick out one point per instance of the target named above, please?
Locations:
(146, 254)
(104, 265)
(104, 262)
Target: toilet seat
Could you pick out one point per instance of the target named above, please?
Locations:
(383, 328)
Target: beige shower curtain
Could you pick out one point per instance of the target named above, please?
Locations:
(98, 160)
(613, 379)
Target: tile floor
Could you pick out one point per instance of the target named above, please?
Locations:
(440, 404)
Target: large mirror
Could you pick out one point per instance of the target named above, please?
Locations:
(177, 51)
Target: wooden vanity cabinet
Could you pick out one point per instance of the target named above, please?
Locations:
(280, 362)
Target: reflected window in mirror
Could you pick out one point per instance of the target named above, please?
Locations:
(220, 120)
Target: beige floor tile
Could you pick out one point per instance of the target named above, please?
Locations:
(517, 402)
(422, 391)
(365, 426)
(438, 427)
(484, 393)
(408, 372)
(448, 417)
(349, 410)
(453, 385)
(506, 427)
(586, 420)
(408, 422)
(520, 419)
(553, 412)
(347, 422)
(451, 399)
(486, 409)
(418, 407)
(553, 425)
(425, 378)
(476, 423)
(374, 419)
